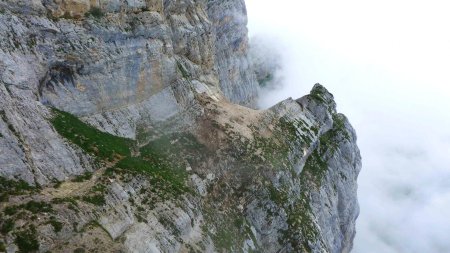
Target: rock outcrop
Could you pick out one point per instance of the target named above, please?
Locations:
(131, 126)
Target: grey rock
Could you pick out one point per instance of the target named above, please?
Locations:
(275, 180)
(237, 78)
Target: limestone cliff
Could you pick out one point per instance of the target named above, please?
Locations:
(130, 125)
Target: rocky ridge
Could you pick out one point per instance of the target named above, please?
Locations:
(128, 126)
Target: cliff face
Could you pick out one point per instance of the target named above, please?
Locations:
(127, 125)
(127, 65)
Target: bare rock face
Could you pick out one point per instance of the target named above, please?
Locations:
(237, 79)
(135, 62)
(128, 126)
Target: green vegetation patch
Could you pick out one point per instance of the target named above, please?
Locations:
(277, 151)
(231, 231)
(170, 225)
(7, 226)
(228, 228)
(27, 240)
(93, 141)
(173, 150)
(95, 12)
(11, 187)
(11, 210)
(81, 178)
(315, 167)
(162, 159)
(162, 175)
(291, 129)
(79, 250)
(302, 228)
(57, 226)
(97, 199)
(278, 195)
(32, 206)
(318, 93)
(331, 139)
(224, 238)
(261, 151)
(317, 97)
(339, 125)
(37, 207)
(173, 144)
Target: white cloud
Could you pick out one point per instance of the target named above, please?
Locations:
(387, 63)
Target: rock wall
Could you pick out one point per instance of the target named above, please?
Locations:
(126, 125)
(137, 61)
(237, 78)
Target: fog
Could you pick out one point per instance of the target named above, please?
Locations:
(388, 65)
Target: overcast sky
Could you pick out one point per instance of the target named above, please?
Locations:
(388, 65)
